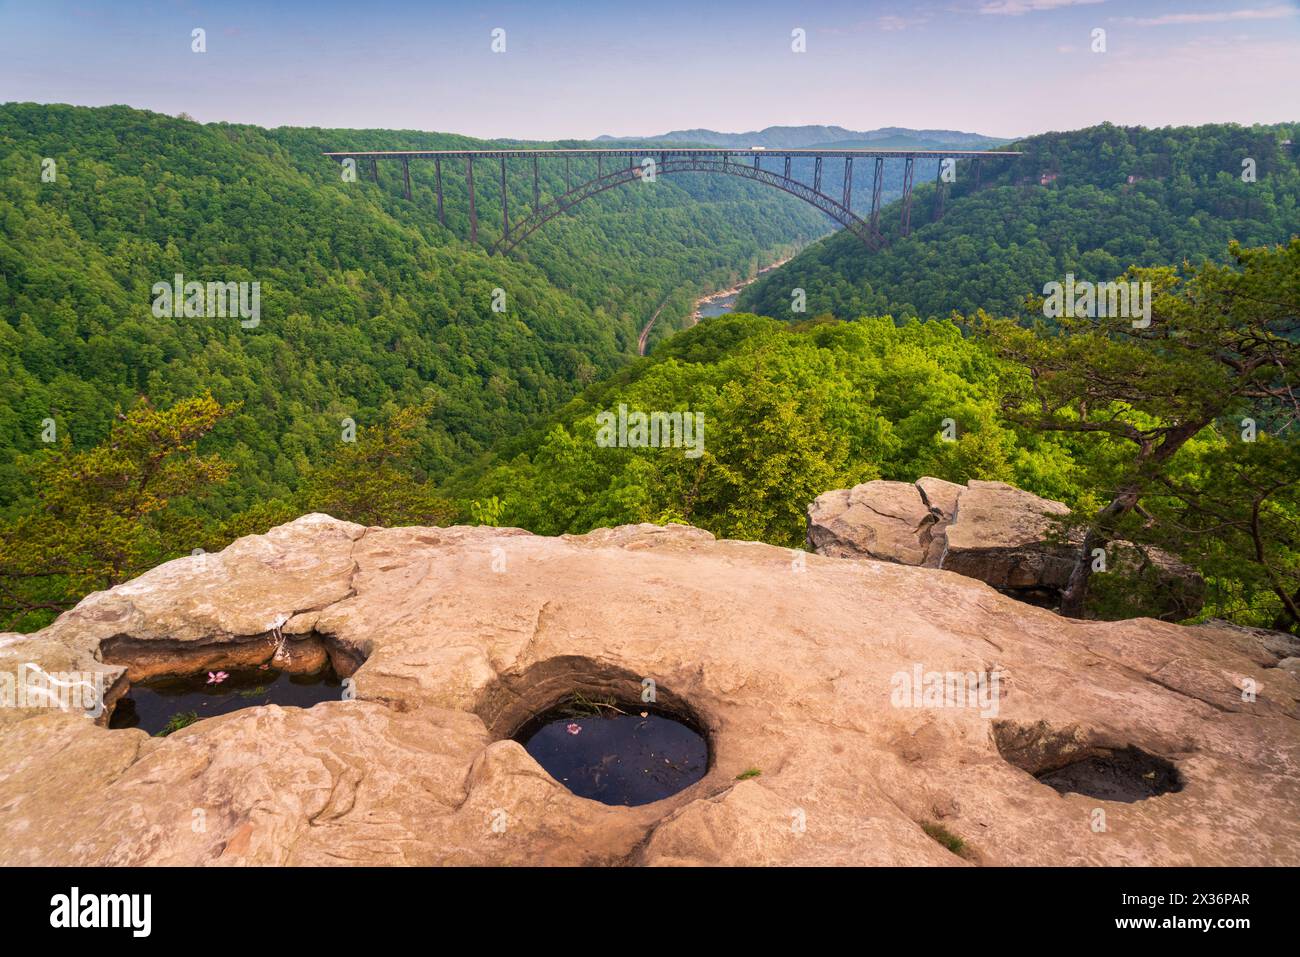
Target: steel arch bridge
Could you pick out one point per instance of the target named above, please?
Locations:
(648, 164)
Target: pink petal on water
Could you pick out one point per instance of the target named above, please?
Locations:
(573, 728)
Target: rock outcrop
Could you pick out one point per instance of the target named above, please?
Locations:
(814, 671)
(997, 533)
(888, 521)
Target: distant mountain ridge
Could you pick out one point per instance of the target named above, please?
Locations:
(803, 137)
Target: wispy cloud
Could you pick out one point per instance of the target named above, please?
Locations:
(1225, 16)
(890, 23)
(1015, 8)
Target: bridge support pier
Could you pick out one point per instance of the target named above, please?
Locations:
(848, 182)
(536, 194)
(374, 170)
(817, 175)
(907, 197)
(437, 175)
(406, 174)
(473, 216)
(940, 191)
(505, 211)
(877, 186)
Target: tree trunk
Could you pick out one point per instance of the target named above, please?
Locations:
(1148, 462)
(1287, 618)
(1075, 595)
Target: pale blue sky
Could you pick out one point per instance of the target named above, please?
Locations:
(579, 69)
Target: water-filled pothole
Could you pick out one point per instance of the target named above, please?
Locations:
(1072, 761)
(163, 705)
(614, 752)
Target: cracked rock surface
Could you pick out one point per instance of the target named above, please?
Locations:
(790, 667)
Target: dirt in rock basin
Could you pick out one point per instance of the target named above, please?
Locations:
(1126, 775)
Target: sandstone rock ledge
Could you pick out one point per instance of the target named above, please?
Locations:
(460, 632)
(997, 533)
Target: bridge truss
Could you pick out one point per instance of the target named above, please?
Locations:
(614, 167)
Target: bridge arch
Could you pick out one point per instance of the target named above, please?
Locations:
(522, 229)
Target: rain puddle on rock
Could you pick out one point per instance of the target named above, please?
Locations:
(163, 705)
(625, 759)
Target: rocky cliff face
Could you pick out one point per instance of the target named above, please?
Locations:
(1002, 535)
(818, 672)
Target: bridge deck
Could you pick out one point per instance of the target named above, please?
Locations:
(681, 151)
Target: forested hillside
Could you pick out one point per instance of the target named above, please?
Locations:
(789, 412)
(367, 303)
(379, 384)
(1066, 206)
(1181, 436)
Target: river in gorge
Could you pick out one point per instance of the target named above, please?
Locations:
(724, 301)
